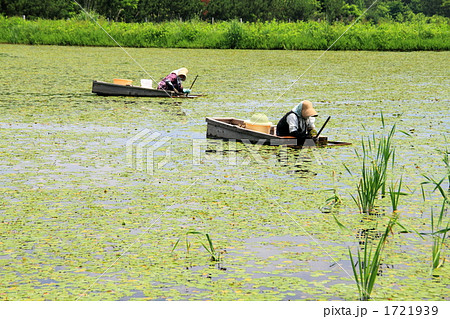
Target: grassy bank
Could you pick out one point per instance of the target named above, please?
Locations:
(423, 34)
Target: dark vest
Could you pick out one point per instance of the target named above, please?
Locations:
(283, 126)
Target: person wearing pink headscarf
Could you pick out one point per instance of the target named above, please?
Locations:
(173, 82)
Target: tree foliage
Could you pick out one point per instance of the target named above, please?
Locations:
(246, 10)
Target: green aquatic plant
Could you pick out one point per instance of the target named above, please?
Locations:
(439, 236)
(438, 184)
(366, 264)
(367, 189)
(394, 195)
(375, 161)
(333, 201)
(438, 230)
(385, 153)
(446, 161)
(208, 245)
(365, 267)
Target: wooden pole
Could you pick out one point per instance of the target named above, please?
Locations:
(323, 126)
(192, 84)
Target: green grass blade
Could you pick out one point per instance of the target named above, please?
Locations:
(355, 273)
(406, 133)
(341, 226)
(176, 244)
(347, 169)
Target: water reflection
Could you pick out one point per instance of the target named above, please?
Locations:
(368, 237)
(212, 264)
(297, 161)
(231, 152)
(54, 125)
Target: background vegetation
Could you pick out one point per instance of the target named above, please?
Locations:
(247, 10)
(257, 24)
(419, 34)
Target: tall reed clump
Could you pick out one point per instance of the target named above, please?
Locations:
(375, 159)
(365, 266)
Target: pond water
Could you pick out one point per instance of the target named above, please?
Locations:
(83, 217)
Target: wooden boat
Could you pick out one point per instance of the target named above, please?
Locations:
(111, 89)
(234, 129)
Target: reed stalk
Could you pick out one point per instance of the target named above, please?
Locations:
(447, 164)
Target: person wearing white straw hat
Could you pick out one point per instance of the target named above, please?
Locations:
(299, 122)
(173, 82)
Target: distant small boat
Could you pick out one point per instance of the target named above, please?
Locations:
(234, 129)
(112, 89)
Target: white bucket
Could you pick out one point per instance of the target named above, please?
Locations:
(146, 83)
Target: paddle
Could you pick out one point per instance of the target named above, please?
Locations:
(323, 126)
(192, 84)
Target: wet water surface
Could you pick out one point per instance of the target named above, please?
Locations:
(83, 217)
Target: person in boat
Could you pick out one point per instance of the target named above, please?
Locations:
(173, 82)
(299, 122)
